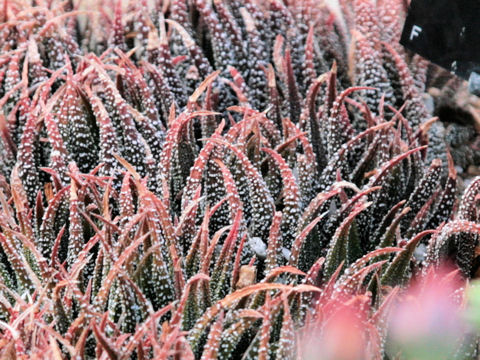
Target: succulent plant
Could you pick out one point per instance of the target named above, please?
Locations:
(214, 179)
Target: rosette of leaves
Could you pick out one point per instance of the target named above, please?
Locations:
(212, 179)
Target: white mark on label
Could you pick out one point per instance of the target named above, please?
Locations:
(416, 30)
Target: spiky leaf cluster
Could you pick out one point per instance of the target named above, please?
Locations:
(211, 179)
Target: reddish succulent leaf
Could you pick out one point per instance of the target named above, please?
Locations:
(338, 250)
(394, 274)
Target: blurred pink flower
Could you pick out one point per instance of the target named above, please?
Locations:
(339, 334)
(426, 321)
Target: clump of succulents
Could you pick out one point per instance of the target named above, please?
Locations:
(214, 179)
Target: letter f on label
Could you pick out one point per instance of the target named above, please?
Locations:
(416, 30)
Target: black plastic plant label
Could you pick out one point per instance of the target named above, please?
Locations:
(446, 32)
